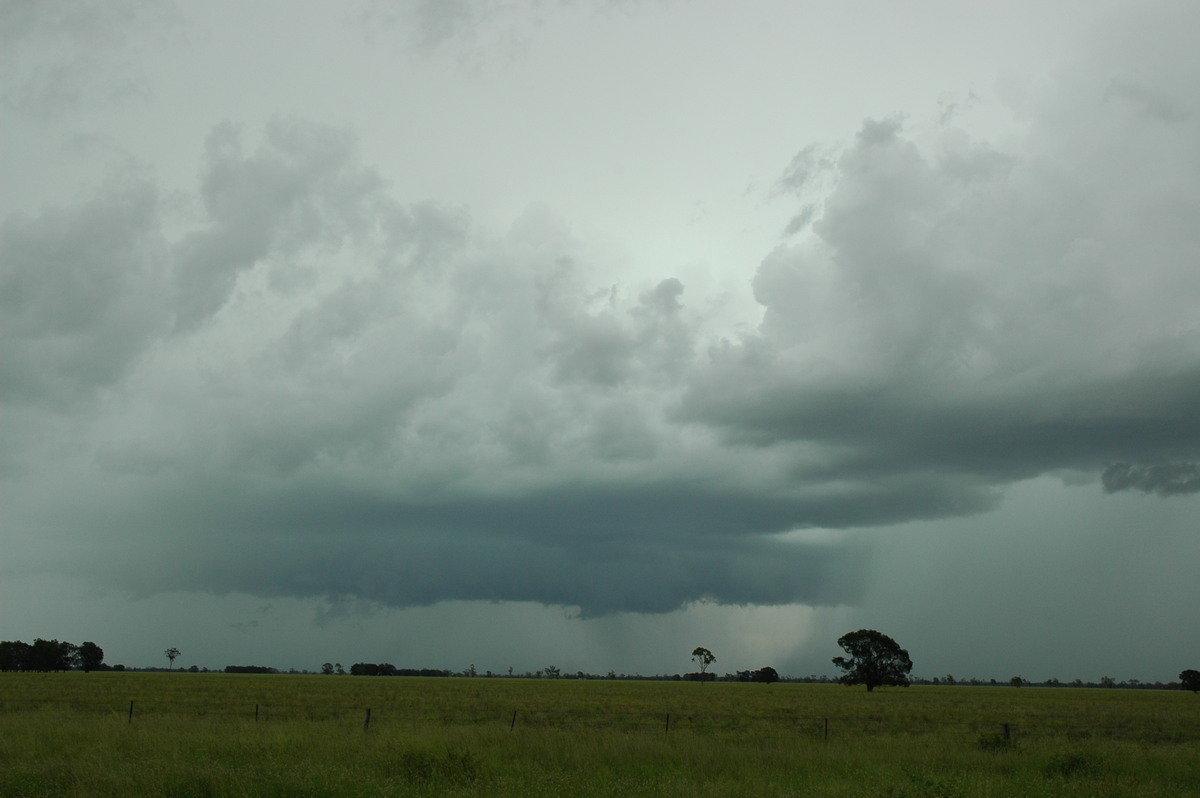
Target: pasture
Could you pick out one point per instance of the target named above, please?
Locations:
(184, 734)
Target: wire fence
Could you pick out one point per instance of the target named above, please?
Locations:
(996, 731)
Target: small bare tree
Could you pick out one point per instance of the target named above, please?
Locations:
(171, 653)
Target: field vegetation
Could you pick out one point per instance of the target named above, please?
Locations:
(181, 734)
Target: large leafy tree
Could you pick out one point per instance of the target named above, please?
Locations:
(874, 659)
(90, 656)
(1190, 680)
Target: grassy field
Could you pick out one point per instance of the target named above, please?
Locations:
(182, 734)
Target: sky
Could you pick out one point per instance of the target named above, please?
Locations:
(551, 332)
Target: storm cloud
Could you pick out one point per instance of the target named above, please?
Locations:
(963, 314)
(444, 416)
(295, 372)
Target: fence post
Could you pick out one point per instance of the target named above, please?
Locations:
(366, 718)
(1006, 732)
(667, 727)
(826, 729)
(513, 723)
(256, 713)
(131, 710)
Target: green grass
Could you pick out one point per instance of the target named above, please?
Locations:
(197, 735)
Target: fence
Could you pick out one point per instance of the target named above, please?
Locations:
(801, 727)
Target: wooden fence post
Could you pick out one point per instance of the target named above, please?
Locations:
(826, 729)
(366, 718)
(513, 723)
(667, 728)
(131, 710)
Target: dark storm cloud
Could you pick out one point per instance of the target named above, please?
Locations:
(624, 549)
(325, 392)
(1164, 479)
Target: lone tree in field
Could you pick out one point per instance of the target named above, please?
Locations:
(90, 657)
(171, 653)
(875, 659)
(1190, 680)
(703, 658)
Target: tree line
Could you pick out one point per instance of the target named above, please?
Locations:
(380, 669)
(873, 660)
(45, 656)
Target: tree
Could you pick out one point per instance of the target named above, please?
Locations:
(327, 669)
(90, 656)
(14, 655)
(875, 659)
(703, 658)
(171, 653)
(766, 675)
(49, 655)
(1190, 680)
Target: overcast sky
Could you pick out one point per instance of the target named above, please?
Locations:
(452, 332)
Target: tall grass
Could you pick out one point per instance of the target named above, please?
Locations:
(196, 735)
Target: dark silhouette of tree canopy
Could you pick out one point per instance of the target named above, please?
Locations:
(171, 653)
(765, 675)
(874, 659)
(14, 655)
(90, 657)
(1190, 680)
(49, 655)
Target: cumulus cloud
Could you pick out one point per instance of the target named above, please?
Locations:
(82, 293)
(963, 314)
(299, 190)
(327, 392)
